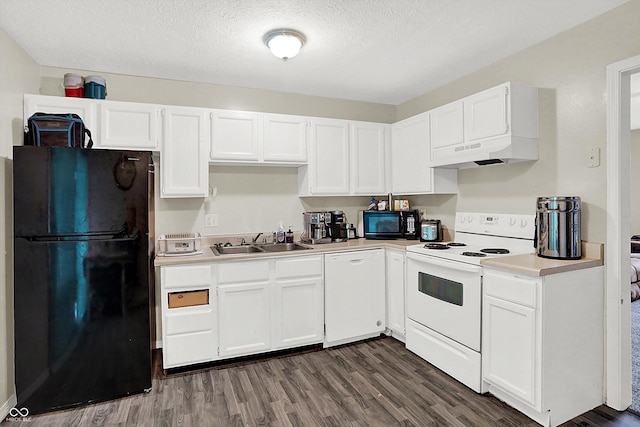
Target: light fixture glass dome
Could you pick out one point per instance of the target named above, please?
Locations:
(284, 43)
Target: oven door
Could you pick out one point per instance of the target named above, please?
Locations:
(445, 296)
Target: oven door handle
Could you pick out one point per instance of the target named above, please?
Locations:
(459, 266)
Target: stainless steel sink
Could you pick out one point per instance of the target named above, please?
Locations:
(283, 247)
(247, 249)
(234, 250)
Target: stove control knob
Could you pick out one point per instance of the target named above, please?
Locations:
(512, 222)
(523, 223)
(469, 218)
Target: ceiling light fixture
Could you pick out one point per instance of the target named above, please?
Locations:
(284, 43)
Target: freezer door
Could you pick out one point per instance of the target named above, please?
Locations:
(61, 192)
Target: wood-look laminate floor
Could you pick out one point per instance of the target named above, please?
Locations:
(371, 383)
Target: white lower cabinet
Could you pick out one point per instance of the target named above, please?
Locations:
(542, 342)
(189, 329)
(354, 296)
(269, 304)
(395, 263)
(298, 317)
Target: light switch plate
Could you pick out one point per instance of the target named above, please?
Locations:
(211, 220)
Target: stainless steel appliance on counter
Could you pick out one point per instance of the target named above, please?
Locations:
(444, 290)
(431, 230)
(316, 227)
(557, 232)
(83, 275)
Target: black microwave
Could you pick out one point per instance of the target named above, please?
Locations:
(391, 224)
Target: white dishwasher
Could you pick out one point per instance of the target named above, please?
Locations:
(354, 296)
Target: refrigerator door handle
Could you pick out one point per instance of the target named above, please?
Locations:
(83, 238)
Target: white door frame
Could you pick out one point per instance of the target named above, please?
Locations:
(617, 248)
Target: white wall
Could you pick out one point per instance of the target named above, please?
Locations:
(570, 69)
(18, 74)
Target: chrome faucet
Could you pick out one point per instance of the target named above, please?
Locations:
(255, 239)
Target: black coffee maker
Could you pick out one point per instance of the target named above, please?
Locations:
(337, 229)
(411, 224)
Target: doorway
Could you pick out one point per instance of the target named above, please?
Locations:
(617, 293)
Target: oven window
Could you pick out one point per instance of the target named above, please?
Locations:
(442, 289)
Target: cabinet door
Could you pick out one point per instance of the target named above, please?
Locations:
(128, 126)
(329, 157)
(367, 158)
(298, 318)
(85, 108)
(486, 114)
(244, 318)
(184, 169)
(410, 154)
(235, 135)
(285, 138)
(354, 296)
(509, 348)
(446, 125)
(395, 261)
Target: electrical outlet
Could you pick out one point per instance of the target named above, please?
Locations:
(211, 220)
(594, 157)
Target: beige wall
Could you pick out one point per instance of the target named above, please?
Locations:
(570, 69)
(18, 74)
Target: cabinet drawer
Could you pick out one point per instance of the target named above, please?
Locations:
(189, 348)
(299, 267)
(185, 322)
(238, 272)
(509, 287)
(188, 298)
(183, 276)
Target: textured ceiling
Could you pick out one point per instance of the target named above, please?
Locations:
(385, 51)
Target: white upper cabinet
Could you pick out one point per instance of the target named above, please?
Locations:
(83, 107)
(285, 138)
(486, 114)
(184, 170)
(368, 158)
(497, 125)
(249, 138)
(235, 136)
(128, 126)
(446, 125)
(328, 170)
(410, 170)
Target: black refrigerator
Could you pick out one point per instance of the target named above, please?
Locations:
(83, 278)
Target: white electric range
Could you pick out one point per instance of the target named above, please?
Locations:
(444, 290)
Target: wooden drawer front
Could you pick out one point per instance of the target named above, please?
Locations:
(181, 276)
(180, 323)
(186, 349)
(517, 289)
(299, 267)
(242, 272)
(188, 298)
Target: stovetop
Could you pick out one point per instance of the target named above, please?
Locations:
(483, 236)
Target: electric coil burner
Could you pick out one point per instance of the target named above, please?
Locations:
(474, 254)
(444, 290)
(497, 251)
(438, 246)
